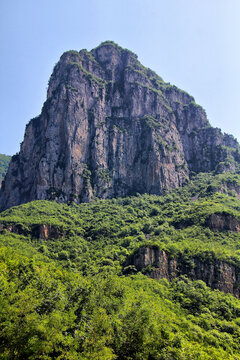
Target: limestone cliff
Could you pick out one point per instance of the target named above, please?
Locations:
(111, 127)
(160, 264)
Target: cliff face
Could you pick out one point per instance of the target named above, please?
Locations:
(111, 127)
(223, 222)
(39, 231)
(159, 264)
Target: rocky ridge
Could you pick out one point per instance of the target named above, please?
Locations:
(111, 127)
(159, 264)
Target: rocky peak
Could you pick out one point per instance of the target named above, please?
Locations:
(111, 127)
(113, 59)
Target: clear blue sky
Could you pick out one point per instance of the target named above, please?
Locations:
(194, 44)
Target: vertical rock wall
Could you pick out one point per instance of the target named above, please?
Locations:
(111, 127)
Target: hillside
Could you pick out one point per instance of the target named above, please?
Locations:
(109, 128)
(77, 280)
(120, 222)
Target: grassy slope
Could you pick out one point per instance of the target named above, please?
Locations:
(65, 297)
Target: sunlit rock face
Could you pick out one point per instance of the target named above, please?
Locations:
(111, 127)
(159, 264)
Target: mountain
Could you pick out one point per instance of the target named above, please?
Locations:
(4, 162)
(88, 272)
(109, 128)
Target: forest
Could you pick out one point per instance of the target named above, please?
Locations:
(4, 162)
(67, 292)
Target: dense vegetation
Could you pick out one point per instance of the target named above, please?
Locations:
(4, 162)
(68, 297)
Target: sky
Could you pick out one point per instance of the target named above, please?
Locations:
(193, 44)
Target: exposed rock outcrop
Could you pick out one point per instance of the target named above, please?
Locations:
(217, 221)
(223, 222)
(111, 127)
(39, 231)
(160, 264)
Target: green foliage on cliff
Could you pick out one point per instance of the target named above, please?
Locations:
(69, 298)
(4, 162)
(90, 76)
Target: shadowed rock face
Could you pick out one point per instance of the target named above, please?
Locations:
(39, 231)
(111, 127)
(223, 222)
(159, 264)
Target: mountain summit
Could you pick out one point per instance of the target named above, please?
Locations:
(111, 127)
